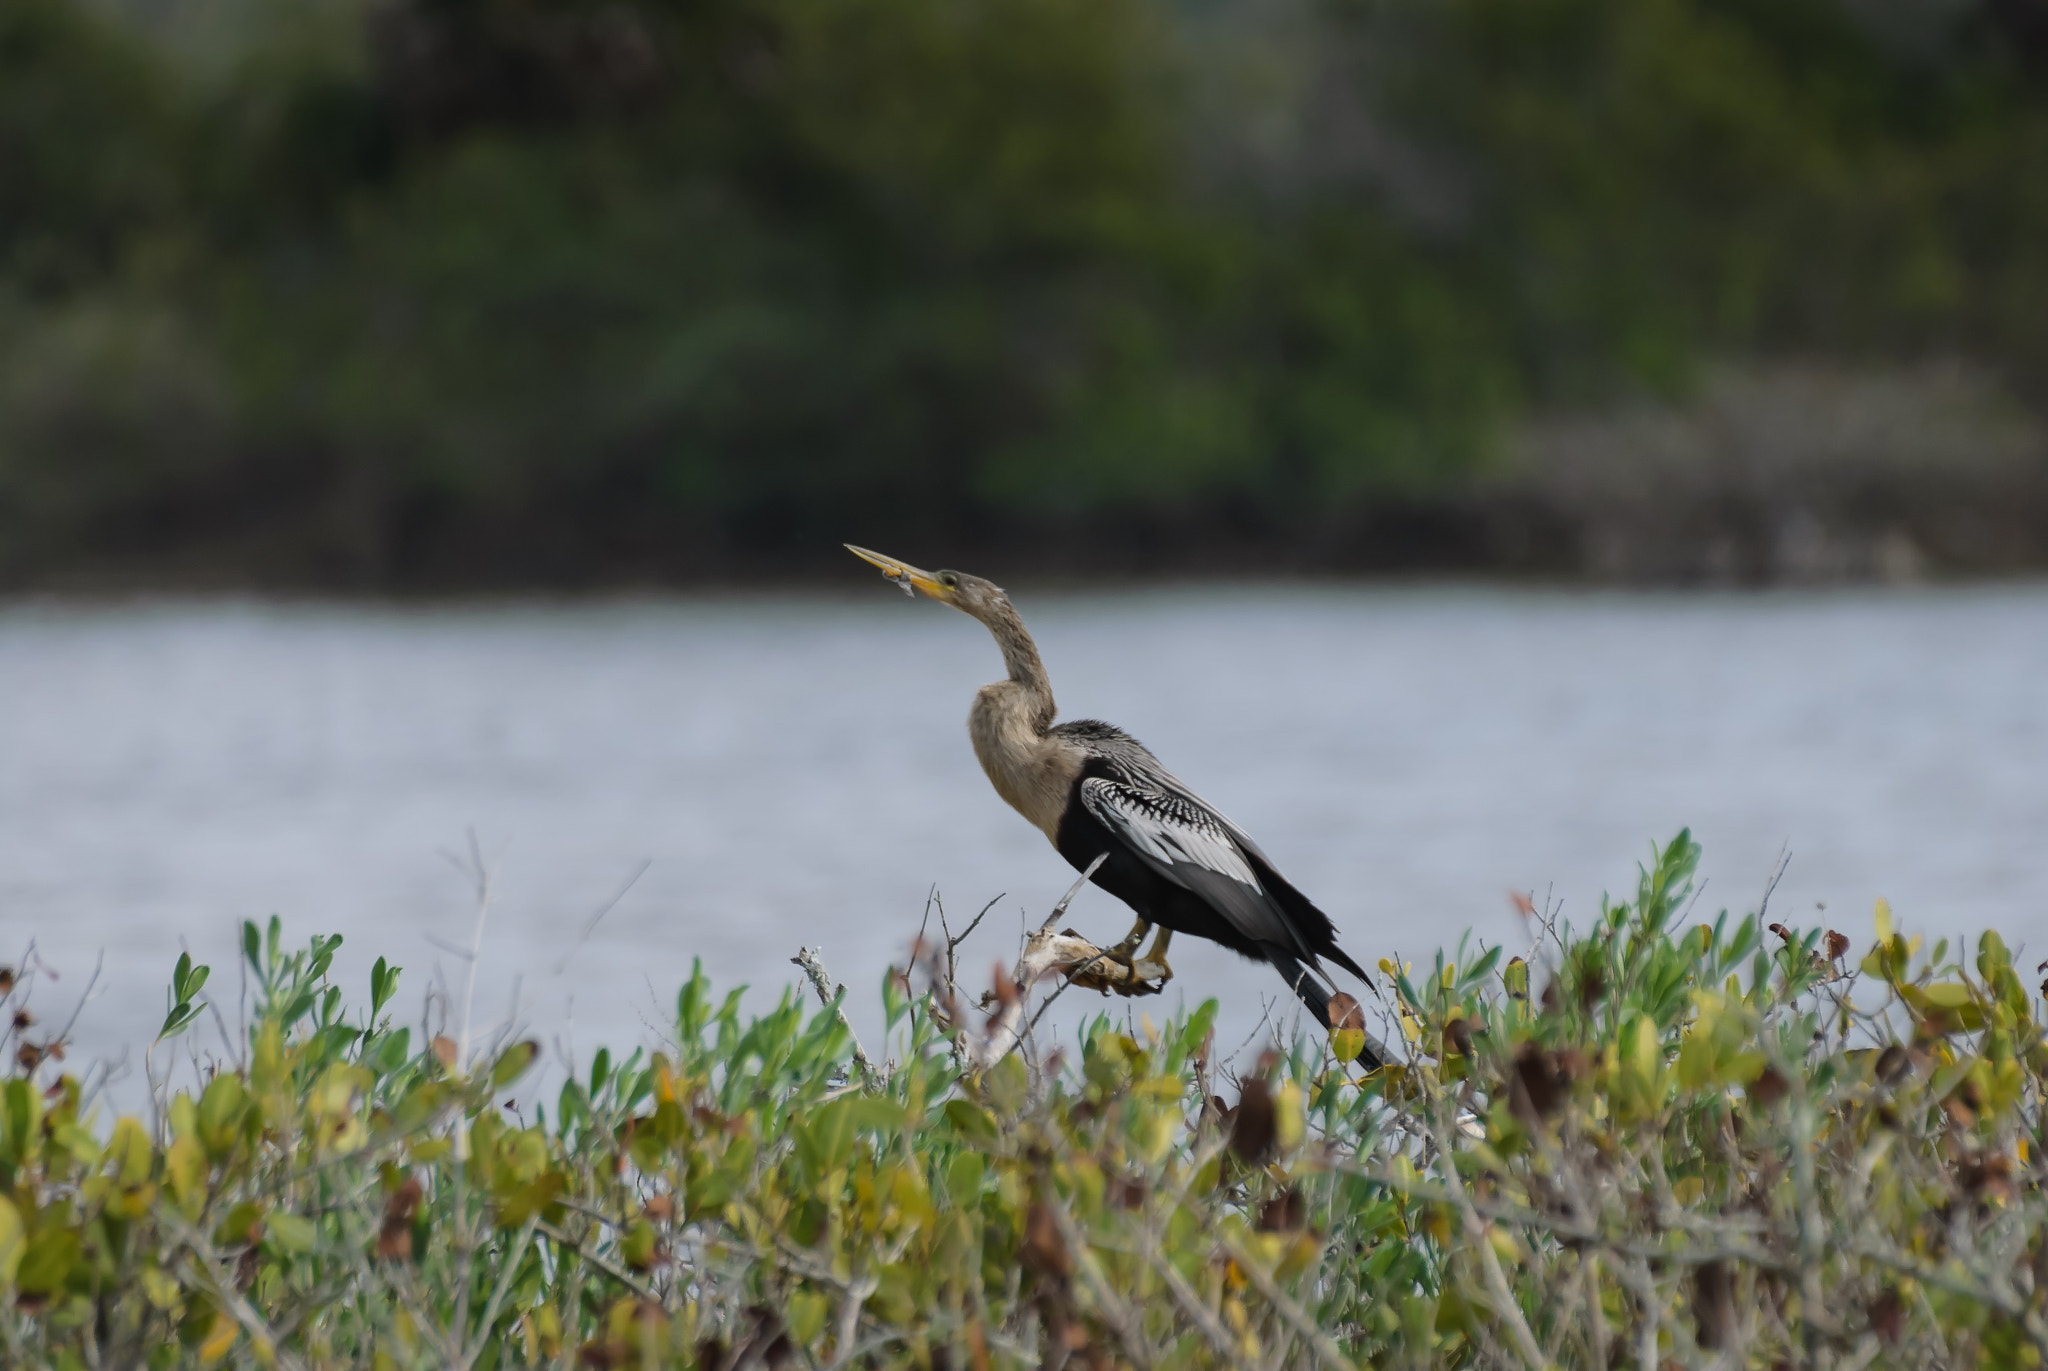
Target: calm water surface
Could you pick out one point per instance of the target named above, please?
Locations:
(796, 771)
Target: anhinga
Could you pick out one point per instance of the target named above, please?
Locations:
(1094, 789)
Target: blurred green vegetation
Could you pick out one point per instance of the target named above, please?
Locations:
(1652, 1143)
(434, 292)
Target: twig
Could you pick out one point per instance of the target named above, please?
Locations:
(1292, 1314)
(513, 1254)
(64, 1034)
(954, 942)
(204, 1262)
(481, 875)
(590, 925)
(1508, 1309)
(1126, 1325)
(1184, 1295)
(1072, 891)
(850, 1305)
(1046, 1003)
(833, 997)
(1771, 885)
(598, 1260)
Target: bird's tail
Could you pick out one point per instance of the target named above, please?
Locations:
(1311, 992)
(1305, 984)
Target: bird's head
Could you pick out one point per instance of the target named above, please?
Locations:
(964, 592)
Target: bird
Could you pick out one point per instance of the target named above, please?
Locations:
(1098, 793)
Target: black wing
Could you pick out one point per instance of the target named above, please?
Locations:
(1193, 846)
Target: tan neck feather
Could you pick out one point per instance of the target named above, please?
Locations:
(1033, 772)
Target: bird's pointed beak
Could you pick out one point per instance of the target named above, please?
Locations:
(903, 574)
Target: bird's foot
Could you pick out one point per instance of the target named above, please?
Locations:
(1129, 944)
(1118, 970)
(1146, 975)
(1150, 972)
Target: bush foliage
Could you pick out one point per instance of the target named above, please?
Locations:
(1650, 1142)
(442, 290)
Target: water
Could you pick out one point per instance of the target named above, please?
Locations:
(796, 771)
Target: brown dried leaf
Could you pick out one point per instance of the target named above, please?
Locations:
(1044, 1250)
(1988, 1176)
(1838, 945)
(1539, 1083)
(1769, 1087)
(394, 1238)
(1894, 1064)
(1713, 1305)
(1887, 1315)
(1252, 1127)
(1286, 1212)
(444, 1050)
(1344, 1011)
(977, 1346)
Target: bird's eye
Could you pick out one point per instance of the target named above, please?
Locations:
(949, 580)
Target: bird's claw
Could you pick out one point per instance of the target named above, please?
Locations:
(1132, 976)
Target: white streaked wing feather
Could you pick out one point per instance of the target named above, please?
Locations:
(1168, 830)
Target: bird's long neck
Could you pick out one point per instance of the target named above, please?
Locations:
(1031, 697)
(1009, 724)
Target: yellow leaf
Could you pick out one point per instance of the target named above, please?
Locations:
(219, 1339)
(1949, 995)
(1884, 920)
(128, 1150)
(159, 1288)
(13, 1242)
(1347, 1043)
(185, 1168)
(805, 1313)
(1646, 1053)
(1288, 1122)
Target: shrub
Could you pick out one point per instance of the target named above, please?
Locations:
(1645, 1142)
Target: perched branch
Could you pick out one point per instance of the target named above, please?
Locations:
(1082, 963)
(829, 995)
(1068, 954)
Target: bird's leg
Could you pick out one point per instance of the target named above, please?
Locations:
(1123, 950)
(1156, 954)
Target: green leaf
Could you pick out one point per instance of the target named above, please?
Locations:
(963, 1177)
(13, 1242)
(290, 1232)
(48, 1261)
(1007, 1084)
(21, 1116)
(638, 1244)
(537, 1196)
(971, 1121)
(512, 1063)
(383, 985)
(1949, 995)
